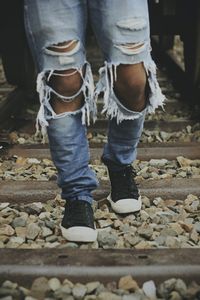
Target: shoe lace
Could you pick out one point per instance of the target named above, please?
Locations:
(123, 183)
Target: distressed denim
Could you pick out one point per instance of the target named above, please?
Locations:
(117, 25)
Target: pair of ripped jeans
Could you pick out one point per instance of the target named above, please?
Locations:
(118, 26)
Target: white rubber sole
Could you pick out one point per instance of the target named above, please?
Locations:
(125, 206)
(79, 234)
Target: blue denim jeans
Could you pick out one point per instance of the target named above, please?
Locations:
(117, 25)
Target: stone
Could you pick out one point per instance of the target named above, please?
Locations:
(146, 201)
(79, 290)
(66, 289)
(186, 226)
(39, 288)
(19, 222)
(128, 283)
(175, 296)
(149, 289)
(180, 287)
(177, 228)
(183, 162)
(21, 140)
(32, 231)
(108, 296)
(107, 239)
(34, 208)
(105, 223)
(135, 296)
(54, 283)
(68, 282)
(165, 288)
(194, 236)
(132, 239)
(50, 224)
(145, 231)
(33, 161)
(92, 286)
(168, 232)
(9, 284)
(117, 223)
(46, 232)
(21, 231)
(190, 199)
(144, 215)
(17, 240)
(7, 298)
(158, 162)
(172, 242)
(51, 238)
(4, 205)
(143, 245)
(197, 227)
(90, 297)
(158, 202)
(6, 229)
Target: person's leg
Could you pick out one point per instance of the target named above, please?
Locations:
(130, 88)
(56, 34)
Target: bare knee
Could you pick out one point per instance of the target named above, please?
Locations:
(66, 83)
(130, 87)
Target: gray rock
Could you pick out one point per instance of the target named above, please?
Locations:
(6, 229)
(19, 222)
(4, 291)
(145, 231)
(107, 239)
(108, 296)
(32, 231)
(9, 284)
(135, 296)
(46, 232)
(79, 291)
(39, 288)
(172, 242)
(149, 289)
(166, 288)
(128, 283)
(7, 298)
(197, 227)
(54, 284)
(175, 296)
(92, 286)
(34, 208)
(158, 162)
(180, 287)
(50, 224)
(132, 239)
(51, 239)
(4, 205)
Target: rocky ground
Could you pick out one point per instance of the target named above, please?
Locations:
(170, 223)
(19, 168)
(125, 289)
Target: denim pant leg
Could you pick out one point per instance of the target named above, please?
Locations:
(123, 138)
(69, 150)
(125, 25)
(50, 23)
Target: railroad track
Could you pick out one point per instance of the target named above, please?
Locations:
(160, 243)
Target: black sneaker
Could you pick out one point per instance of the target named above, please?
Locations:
(124, 196)
(78, 222)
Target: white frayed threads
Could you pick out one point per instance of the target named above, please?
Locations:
(113, 107)
(156, 97)
(45, 91)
